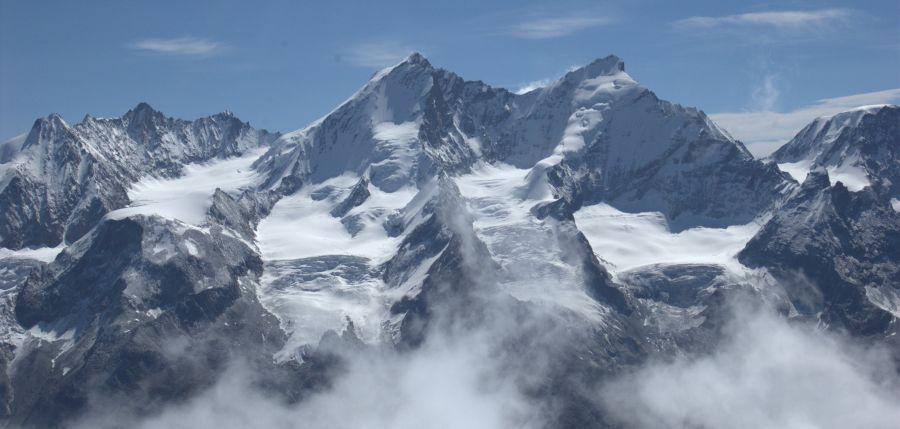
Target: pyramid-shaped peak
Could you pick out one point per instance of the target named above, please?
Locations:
(142, 107)
(46, 128)
(141, 113)
(605, 66)
(417, 58)
(52, 121)
(56, 119)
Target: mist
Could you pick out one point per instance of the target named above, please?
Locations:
(768, 373)
(444, 384)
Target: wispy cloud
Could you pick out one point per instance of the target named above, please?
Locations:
(377, 54)
(766, 373)
(764, 131)
(548, 28)
(531, 86)
(186, 46)
(779, 19)
(526, 87)
(765, 96)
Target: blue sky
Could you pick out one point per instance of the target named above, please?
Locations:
(761, 68)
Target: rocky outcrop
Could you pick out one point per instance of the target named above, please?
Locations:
(832, 249)
(142, 311)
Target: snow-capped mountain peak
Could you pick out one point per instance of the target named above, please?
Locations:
(610, 66)
(857, 147)
(49, 127)
(68, 177)
(417, 58)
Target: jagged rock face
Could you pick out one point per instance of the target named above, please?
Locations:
(597, 133)
(625, 146)
(144, 309)
(463, 293)
(460, 270)
(836, 252)
(396, 130)
(58, 182)
(242, 213)
(702, 183)
(863, 142)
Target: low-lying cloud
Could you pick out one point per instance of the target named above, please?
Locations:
(767, 374)
(442, 385)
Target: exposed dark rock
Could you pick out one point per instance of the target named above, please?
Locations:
(358, 195)
(828, 245)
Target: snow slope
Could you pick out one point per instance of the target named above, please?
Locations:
(631, 240)
(187, 198)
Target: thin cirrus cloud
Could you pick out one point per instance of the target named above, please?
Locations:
(182, 46)
(549, 28)
(787, 19)
(377, 54)
(765, 131)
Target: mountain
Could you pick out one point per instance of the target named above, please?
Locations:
(857, 147)
(597, 134)
(59, 180)
(430, 237)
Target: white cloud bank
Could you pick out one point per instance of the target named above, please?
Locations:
(187, 46)
(443, 385)
(764, 131)
(768, 374)
(778, 19)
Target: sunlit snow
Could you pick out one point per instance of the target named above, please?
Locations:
(187, 198)
(629, 240)
(45, 254)
(798, 170)
(317, 273)
(852, 176)
(301, 227)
